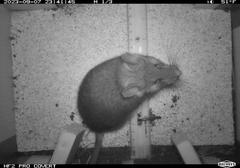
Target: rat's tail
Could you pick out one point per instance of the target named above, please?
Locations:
(98, 145)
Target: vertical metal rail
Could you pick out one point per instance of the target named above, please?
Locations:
(235, 14)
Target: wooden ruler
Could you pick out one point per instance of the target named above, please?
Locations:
(138, 43)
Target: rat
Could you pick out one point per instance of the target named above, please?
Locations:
(112, 90)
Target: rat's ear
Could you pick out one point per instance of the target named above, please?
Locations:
(129, 92)
(131, 58)
(154, 60)
(154, 88)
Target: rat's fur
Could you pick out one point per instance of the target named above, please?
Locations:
(112, 90)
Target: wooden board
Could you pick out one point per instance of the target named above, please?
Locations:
(137, 43)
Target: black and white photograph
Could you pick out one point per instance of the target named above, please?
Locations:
(119, 83)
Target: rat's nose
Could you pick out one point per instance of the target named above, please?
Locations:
(178, 72)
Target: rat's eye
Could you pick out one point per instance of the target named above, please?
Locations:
(157, 81)
(158, 66)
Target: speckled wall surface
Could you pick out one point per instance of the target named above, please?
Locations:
(199, 40)
(53, 50)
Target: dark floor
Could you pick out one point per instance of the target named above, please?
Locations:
(160, 155)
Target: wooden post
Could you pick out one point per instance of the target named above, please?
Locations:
(235, 14)
(137, 43)
(8, 144)
(68, 144)
(185, 148)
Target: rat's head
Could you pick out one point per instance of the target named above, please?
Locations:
(159, 75)
(147, 74)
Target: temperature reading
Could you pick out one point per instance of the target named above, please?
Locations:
(70, 2)
(228, 1)
(210, 1)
